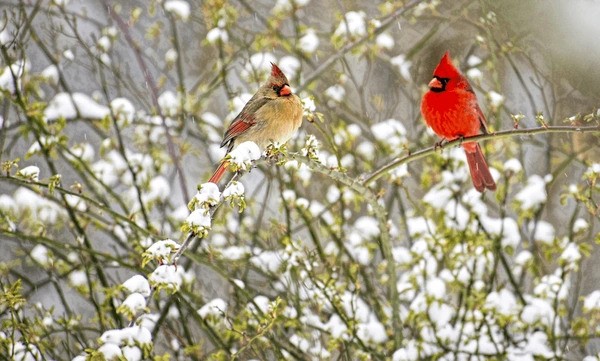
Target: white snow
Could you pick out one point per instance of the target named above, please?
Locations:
(135, 302)
(268, 261)
(162, 249)
(438, 197)
(68, 54)
(76, 202)
(533, 195)
(371, 331)
(419, 226)
(132, 353)
(411, 352)
(199, 218)
(139, 284)
(83, 151)
(234, 253)
(235, 189)
(67, 106)
(440, 313)
(309, 42)
(391, 132)
(7, 203)
(167, 275)
(244, 154)
(12, 74)
(571, 255)
(104, 43)
(217, 34)
(473, 60)
(503, 302)
(168, 103)
(127, 336)
(403, 65)
(592, 301)
(544, 232)
(5, 36)
(208, 195)
(20, 351)
(551, 286)
(436, 288)
(51, 74)
(511, 237)
(258, 63)
(523, 257)
(594, 169)
(215, 307)
(289, 65)
(308, 106)
(178, 8)
(336, 93)
(513, 165)
(580, 225)
(39, 253)
(171, 56)
(30, 172)
(78, 278)
(110, 351)
(353, 25)
(475, 74)
(212, 119)
(123, 109)
(260, 301)
(239, 283)
(283, 6)
(367, 227)
(366, 149)
(495, 99)
(158, 189)
(537, 345)
(384, 41)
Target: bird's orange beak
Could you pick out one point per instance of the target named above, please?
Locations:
(285, 90)
(435, 84)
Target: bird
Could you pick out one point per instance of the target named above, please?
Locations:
(450, 108)
(273, 114)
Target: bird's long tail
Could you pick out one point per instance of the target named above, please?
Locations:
(480, 172)
(218, 174)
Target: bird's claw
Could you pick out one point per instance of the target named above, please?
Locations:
(439, 144)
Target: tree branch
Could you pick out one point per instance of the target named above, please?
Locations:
(498, 135)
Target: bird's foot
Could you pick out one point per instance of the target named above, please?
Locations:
(439, 144)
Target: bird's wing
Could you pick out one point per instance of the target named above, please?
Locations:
(244, 120)
(239, 125)
(482, 121)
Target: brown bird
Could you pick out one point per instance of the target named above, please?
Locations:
(273, 114)
(450, 108)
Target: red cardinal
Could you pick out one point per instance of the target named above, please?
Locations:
(273, 114)
(450, 108)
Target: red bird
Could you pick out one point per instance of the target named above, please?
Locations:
(273, 114)
(450, 108)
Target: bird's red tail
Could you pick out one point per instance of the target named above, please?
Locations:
(480, 172)
(218, 174)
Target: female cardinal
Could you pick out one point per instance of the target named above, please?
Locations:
(273, 114)
(450, 108)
